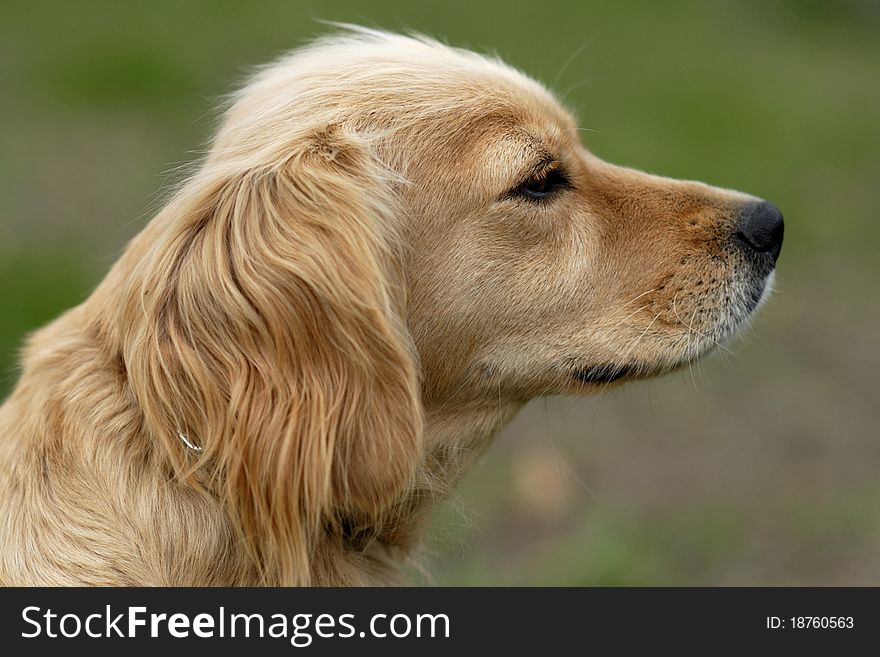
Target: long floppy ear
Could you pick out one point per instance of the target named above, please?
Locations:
(265, 326)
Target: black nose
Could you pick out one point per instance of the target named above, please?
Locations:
(761, 228)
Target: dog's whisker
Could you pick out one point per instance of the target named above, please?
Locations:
(578, 85)
(691, 360)
(624, 359)
(699, 333)
(578, 51)
(633, 300)
(593, 130)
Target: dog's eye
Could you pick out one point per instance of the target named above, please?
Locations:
(543, 184)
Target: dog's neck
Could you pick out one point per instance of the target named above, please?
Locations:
(455, 437)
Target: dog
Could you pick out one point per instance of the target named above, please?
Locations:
(390, 247)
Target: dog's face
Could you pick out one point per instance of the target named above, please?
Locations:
(531, 265)
(538, 268)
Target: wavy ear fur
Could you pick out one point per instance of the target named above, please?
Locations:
(264, 324)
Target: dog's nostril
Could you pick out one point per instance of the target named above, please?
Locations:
(761, 228)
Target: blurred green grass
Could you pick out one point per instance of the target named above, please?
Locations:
(762, 470)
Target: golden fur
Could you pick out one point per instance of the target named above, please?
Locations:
(338, 309)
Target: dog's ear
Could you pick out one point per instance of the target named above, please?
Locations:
(265, 326)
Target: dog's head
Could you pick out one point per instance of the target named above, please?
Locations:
(533, 266)
(383, 223)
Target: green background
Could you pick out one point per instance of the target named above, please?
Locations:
(760, 468)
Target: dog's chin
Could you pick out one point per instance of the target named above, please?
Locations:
(608, 373)
(603, 374)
